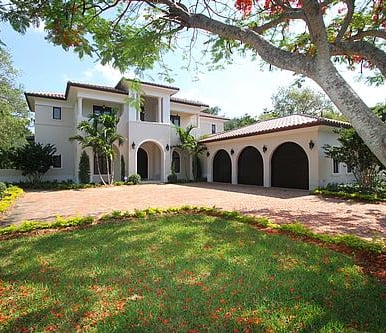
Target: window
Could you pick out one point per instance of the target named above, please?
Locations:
(176, 163)
(57, 112)
(57, 161)
(176, 120)
(213, 128)
(335, 166)
(349, 169)
(102, 165)
(101, 109)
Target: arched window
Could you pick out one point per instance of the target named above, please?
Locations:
(176, 162)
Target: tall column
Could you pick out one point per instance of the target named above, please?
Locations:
(267, 167)
(159, 104)
(234, 169)
(78, 148)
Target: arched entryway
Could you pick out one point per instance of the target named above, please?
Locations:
(222, 167)
(150, 161)
(250, 167)
(142, 163)
(289, 167)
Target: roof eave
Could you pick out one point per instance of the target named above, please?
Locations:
(318, 123)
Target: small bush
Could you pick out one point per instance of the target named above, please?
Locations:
(135, 178)
(9, 196)
(172, 178)
(3, 187)
(84, 168)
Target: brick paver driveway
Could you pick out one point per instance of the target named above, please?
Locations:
(280, 205)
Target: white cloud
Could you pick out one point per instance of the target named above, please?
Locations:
(100, 74)
(105, 74)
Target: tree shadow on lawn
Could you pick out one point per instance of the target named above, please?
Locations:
(196, 272)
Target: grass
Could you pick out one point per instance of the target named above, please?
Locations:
(182, 273)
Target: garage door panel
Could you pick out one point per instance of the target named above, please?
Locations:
(250, 167)
(289, 167)
(222, 167)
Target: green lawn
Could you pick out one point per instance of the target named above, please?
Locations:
(182, 273)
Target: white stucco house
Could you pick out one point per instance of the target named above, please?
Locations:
(151, 137)
(284, 152)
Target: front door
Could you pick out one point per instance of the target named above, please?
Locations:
(142, 163)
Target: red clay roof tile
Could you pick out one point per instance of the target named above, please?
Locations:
(275, 125)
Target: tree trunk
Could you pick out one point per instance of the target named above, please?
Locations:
(369, 127)
(112, 169)
(99, 169)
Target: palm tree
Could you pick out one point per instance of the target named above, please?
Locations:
(193, 147)
(100, 134)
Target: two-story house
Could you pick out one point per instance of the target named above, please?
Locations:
(284, 152)
(151, 138)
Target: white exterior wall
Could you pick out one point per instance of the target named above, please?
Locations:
(56, 132)
(326, 175)
(206, 125)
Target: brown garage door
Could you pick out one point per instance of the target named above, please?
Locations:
(222, 167)
(250, 167)
(289, 167)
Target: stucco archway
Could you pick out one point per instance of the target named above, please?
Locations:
(289, 167)
(250, 167)
(222, 167)
(150, 161)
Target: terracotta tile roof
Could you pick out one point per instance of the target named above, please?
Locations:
(188, 102)
(275, 125)
(46, 95)
(208, 115)
(94, 87)
(121, 85)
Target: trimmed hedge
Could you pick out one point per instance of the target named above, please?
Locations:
(60, 223)
(295, 229)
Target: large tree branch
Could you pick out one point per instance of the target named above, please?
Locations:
(296, 62)
(363, 48)
(369, 33)
(316, 27)
(292, 14)
(347, 20)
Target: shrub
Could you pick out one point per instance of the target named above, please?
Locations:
(84, 168)
(354, 191)
(123, 168)
(172, 178)
(135, 178)
(3, 187)
(9, 196)
(34, 160)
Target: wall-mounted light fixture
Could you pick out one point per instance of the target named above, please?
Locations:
(232, 151)
(133, 145)
(167, 147)
(207, 154)
(265, 148)
(311, 144)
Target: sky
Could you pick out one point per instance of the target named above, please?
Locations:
(238, 89)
